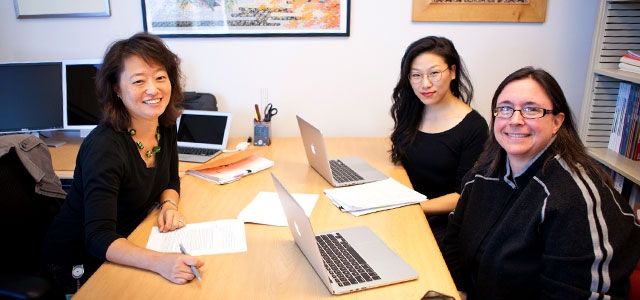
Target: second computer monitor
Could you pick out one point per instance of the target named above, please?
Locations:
(80, 101)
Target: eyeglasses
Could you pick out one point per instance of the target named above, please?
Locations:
(527, 112)
(434, 76)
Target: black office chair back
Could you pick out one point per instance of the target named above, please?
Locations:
(26, 216)
(200, 101)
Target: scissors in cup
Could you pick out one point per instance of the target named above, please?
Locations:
(269, 112)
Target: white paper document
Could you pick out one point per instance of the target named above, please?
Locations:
(266, 208)
(372, 197)
(214, 237)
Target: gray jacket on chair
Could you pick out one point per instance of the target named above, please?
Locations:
(35, 157)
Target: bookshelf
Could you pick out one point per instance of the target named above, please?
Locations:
(617, 30)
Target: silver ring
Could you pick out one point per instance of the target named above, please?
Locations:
(181, 221)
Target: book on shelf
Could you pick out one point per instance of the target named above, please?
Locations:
(629, 67)
(231, 168)
(635, 133)
(628, 143)
(618, 180)
(632, 54)
(631, 60)
(629, 190)
(636, 155)
(625, 128)
(624, 91)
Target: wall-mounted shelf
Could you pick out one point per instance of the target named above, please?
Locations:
(617, 30)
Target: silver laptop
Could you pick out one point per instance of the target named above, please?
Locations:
(378, 264)
(202, 134)
(338, 172)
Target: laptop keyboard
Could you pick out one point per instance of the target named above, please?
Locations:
(344, 264)
(342, 173)
(196, 151)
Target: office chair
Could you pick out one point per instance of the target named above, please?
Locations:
(200, 101)
(26, 216)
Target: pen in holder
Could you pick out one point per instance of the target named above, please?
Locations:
(261, 133)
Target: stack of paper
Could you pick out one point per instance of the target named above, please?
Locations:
(372, 197)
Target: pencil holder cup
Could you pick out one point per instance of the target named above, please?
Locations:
(261, 133)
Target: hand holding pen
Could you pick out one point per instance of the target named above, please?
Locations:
(193, 267)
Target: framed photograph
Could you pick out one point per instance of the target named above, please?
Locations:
(224, 18)
(526, 11)
(61, 8)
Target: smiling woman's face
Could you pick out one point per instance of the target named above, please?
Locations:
(522, 138)
(144, 89)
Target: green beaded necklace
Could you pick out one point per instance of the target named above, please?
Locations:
(155, 149)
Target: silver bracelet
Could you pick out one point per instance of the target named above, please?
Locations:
(168, 201)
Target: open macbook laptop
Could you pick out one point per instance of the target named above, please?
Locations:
(338, 172)
(367, 262)
(202, 134)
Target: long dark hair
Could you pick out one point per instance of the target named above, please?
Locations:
(567, 141)
(406, 108)
(152, 50)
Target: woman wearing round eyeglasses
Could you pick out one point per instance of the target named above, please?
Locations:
(537, 217)
(437, 136)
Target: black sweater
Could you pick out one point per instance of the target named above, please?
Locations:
(112, 192)
(548, 234)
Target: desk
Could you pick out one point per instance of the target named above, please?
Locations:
(64, 158)
(273, 267)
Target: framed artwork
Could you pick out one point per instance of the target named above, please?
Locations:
(61, 8)
(526, 11)
(224, 18)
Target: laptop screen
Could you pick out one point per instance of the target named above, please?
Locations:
(204, 128)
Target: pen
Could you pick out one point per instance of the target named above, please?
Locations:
(247, 172)
(258, 118)
(193, 268)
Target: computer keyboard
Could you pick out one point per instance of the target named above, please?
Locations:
(342, 173)
(344, 264)
(196, 151)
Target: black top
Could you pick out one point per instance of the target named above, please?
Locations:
(436, 162)
(112, 192)
(547, 233)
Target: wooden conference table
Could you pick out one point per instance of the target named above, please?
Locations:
(273, 267)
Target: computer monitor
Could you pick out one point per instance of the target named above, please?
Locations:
(80, 101)
(30, 97)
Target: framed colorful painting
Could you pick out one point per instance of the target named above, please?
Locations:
(531, 11)
(223, 18)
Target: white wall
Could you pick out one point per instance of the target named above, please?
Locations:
(342, 84)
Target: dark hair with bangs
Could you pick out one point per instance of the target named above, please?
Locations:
(153, 51)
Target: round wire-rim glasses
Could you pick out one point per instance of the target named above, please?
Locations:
(434, 76)
(527, 112)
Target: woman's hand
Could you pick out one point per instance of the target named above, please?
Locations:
(170, 218)
(176, 267)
